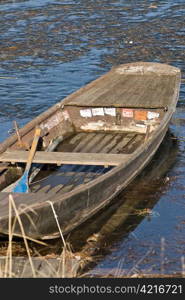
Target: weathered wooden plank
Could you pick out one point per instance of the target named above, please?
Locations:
(61, 180)
(101, 127)
(100, 88)
(77, 138)
(105, 140)
(84, 142)
(118, 148)
(116, 140)
(65, 158)
(103, 88)
(111, 97)
(138, 85)
(93, 142)
(71, 143)
(133, 144)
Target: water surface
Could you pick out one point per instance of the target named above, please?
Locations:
(50, 49)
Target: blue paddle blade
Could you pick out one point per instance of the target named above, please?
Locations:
(22, 184)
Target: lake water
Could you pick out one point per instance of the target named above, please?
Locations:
(51, 48)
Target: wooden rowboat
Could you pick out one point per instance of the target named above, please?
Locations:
(108, 131)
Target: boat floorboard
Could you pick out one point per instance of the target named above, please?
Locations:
(68, 177)
(98, 142)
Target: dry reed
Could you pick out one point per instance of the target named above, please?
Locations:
(66, 265)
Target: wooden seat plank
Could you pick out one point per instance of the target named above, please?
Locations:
(65, 158)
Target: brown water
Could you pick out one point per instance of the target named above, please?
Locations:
(51, 48)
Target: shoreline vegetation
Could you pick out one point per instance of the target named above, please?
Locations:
(25, 261)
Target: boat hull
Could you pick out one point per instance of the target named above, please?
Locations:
(75, 208)
(101, 106)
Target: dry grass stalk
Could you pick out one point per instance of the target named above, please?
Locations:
(8, 263)
(22, 209)
(119, 271)
(1, 272)
(10, 237)
(134, 269)
(44, 258)
(58, 225)
(63, 256)
(31, 239)
(23, 233)
(68, 261)
(8, 258)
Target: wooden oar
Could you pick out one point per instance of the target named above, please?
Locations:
(21, 185)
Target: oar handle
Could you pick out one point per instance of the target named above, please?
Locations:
(33, 148)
